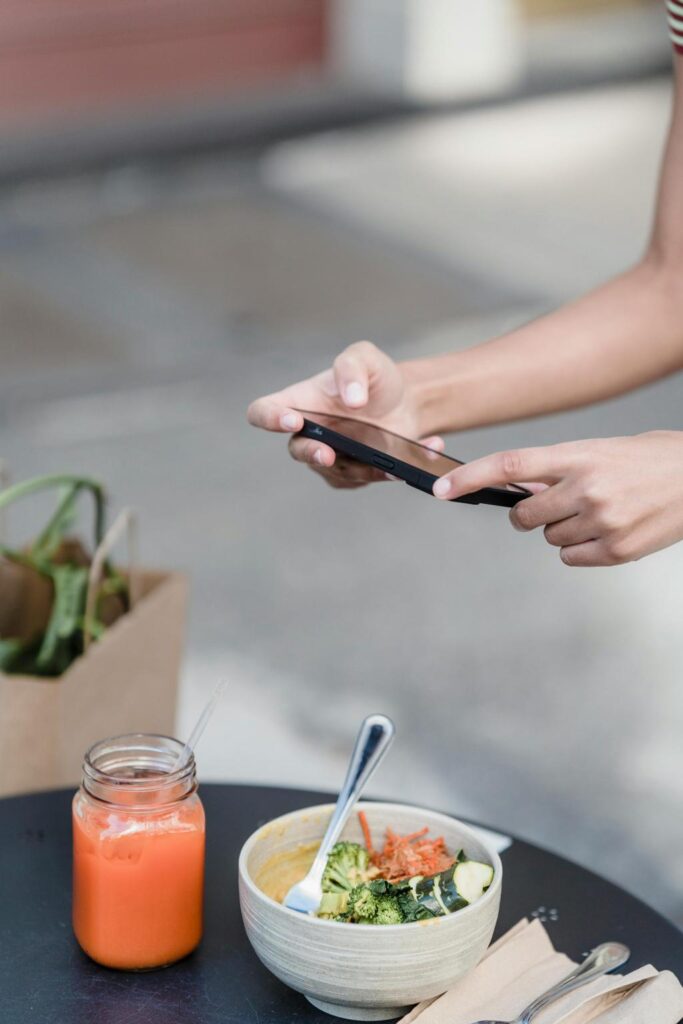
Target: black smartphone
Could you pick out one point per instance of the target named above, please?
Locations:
(408, 460)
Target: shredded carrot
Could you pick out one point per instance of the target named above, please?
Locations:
(415, 835)
(406, 856)
(362, 817)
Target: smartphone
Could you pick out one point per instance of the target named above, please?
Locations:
(408, 460)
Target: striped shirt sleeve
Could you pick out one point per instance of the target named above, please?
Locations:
(675, 12)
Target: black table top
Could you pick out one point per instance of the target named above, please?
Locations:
(45, 979)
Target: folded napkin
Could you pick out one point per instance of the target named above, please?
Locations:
(523, 963)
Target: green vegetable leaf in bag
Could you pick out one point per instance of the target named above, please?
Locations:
(45, 546)
(63, 634)
(64, 563)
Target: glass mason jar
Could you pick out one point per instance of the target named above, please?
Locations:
(138, 853)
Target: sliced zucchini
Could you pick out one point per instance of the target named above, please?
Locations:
(413, 908)
(427, 892)
(453, 889)
(452, 898)
(472, 879)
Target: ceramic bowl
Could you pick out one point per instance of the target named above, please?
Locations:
(365, 972)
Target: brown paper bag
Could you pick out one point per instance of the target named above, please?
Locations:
(125, 682)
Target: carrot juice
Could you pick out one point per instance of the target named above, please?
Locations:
(138, 854)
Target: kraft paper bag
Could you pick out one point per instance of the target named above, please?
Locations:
(125, 682)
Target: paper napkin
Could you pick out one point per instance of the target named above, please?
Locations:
(523, 963)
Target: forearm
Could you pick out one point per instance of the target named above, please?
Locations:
(622, 335)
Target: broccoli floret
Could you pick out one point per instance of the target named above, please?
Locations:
(333, 906)
(362, 904)
(374, 903)
(389, 912)
(347, 866)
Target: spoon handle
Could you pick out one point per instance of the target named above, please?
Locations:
(602, 960)
(374, 739)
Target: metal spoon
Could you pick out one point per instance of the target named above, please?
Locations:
(602, 960)
(373, 740)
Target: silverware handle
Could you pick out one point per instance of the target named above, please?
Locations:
(374, 739)
(602, 960)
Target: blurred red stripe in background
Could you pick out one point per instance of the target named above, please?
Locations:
(70, 56)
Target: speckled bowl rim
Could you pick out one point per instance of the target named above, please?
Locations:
(434, 816)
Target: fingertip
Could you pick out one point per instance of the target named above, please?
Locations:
(355, 394)
(291, 421)
(324, 457)
(534, 488)
(435, 444)
(442, 487)
(351, 373)
(516, 520)
(253, 417)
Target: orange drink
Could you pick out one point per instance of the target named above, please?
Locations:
(138, 854)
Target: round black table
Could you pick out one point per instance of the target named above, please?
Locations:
(45, 979)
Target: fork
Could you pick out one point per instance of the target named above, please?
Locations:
(601, 960)
(374, 739)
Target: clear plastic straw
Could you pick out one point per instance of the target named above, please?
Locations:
(201, 724)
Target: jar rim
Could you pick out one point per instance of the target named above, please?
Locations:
(107, 766)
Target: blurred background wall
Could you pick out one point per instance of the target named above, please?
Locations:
(106, 79)
(201, 202)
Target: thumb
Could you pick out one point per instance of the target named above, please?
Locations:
(352, 370)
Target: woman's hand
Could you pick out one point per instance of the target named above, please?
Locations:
(605, 502)
(363, 382)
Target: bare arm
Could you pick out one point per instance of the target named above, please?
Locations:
(622, 335)
(601, 502)
(606, 501)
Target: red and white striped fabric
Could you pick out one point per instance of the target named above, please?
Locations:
(675, 11)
